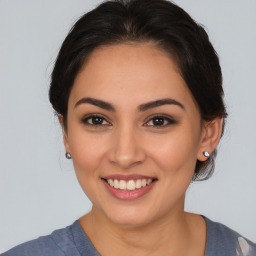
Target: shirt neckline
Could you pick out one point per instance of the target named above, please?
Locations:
(83, 242)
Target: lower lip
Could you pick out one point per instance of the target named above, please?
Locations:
(128, 194)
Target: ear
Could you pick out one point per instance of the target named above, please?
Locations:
(65, 136)
(211, 133)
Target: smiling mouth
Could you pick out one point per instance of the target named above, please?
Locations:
(130, 185)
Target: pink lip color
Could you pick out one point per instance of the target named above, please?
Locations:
(128, 194)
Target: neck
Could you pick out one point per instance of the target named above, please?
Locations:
(173, 233)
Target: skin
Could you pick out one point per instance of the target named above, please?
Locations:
(128, 141)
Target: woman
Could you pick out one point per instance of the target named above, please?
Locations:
(138, 91)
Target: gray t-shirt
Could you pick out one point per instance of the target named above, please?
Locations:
(72, 240)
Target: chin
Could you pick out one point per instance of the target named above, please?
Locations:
(130, 217)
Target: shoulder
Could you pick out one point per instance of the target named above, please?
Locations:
(221, 240)
(58, 243)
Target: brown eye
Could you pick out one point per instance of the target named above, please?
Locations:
(95, 120)
(159, 121)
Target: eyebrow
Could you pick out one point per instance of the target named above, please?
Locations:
(96, 102)
(161, 102)
(143, 107)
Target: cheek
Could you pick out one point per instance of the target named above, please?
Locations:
(87, 151)
(177, 151)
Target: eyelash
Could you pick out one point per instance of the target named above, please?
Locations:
(169, 121)
(87, 118)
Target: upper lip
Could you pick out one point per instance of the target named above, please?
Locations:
(127, 177)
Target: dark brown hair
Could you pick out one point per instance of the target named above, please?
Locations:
(165, 24)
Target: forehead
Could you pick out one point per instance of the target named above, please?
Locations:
(130, 72)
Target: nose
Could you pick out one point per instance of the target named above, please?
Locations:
(127, 150)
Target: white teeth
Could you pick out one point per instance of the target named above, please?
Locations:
(138, 184)
(116, 183)
(122, 184)
(130, 184)
(111, 182)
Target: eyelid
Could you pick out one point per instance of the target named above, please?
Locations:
(167, 118)
(170, 120)
(89, 116)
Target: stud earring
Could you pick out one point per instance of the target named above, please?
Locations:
(206, 154)
(68, 155)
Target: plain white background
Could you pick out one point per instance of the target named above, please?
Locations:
(38, 188)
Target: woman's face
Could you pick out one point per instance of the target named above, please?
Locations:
(134, 133)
